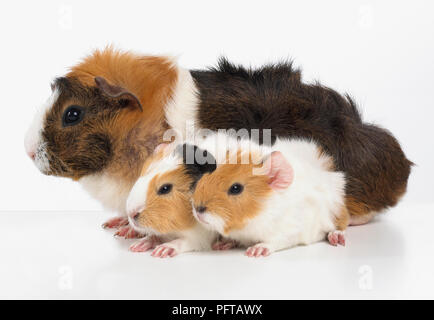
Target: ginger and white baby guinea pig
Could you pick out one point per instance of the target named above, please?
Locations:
(159, 203)
(272, 198)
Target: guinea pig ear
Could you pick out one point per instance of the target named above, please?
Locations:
(279, 171)
(124, 97)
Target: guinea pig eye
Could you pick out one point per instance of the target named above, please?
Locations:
(235, 189)
(72, 115)
(165, 189)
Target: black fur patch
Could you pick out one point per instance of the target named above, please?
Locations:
(196, 161)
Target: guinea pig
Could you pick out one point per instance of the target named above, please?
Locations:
(159, 203)
(103, 119)
(269, 199)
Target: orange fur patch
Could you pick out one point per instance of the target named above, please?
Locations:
(235, 210)
(342, 219)
(152, 80)
(170, 212)
(356, 208)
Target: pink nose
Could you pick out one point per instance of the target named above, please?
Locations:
(31, 154)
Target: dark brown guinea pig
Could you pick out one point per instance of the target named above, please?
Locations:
(274, 97)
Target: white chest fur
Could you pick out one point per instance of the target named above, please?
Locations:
(111, 192)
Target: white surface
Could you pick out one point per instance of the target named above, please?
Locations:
(379, 51)
(51, 255)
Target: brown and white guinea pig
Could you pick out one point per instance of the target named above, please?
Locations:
(159, 203)
(104, 118)
(269, 199)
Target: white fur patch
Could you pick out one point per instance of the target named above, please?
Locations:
(137, 198)
(210, 221)
(304, 212)
(181, 110)
(108, 190)
(33, 141)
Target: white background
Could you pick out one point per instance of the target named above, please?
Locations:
(381, 52)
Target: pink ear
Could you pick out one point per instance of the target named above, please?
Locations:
(280, 171)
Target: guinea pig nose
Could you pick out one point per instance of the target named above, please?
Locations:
(200, 209)
(31, 154)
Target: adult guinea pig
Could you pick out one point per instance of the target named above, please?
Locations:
(274, 198)
(103, 119)
(159, 204)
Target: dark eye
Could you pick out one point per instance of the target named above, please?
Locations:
(235, 189)
(72, 115)
(165, 189)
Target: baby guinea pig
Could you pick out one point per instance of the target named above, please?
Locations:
(159, 203)
(272, 198)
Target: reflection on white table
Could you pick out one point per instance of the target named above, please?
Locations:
(67, 255)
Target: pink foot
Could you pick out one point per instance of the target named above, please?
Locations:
(163, 251)
(145, 244)
(115, 223)
(259, 250)
(336, 237)
(224, 244)
(127, 232)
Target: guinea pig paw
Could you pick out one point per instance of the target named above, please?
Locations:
(336, 237)
(164, 250)
(127, 232)
(115, 223)
(145, 244)
(259, 250)
(224, 244)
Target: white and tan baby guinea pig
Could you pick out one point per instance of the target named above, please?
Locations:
(159, 204)
(271, 198)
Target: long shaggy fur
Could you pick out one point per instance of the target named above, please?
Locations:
(274, 97)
